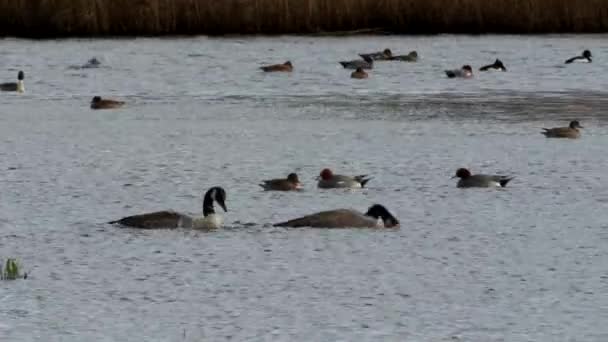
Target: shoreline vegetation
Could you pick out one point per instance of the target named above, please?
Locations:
(86, 18)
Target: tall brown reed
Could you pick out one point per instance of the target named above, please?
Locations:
(50, 18)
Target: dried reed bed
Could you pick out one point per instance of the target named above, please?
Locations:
(53, 18)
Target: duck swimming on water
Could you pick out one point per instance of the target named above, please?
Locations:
(468, 180)
(282, 184)
(365, 63)
(571, 132)
(98, 103)
(285, 67)
(172, 219)
(328, 180)
(465, 72)
(385, 55)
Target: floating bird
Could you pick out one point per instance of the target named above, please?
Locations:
(327, 180)
(359, 73)
(172, 219)
(376, 216)
(378, 56)
(410, 57)
(282, 184)
(572, 131)
(98, 103)
(285, 67)
(584, 58)
(497, 65)
(14, 86)
(365, 63)
(465, 72)
(467, 180)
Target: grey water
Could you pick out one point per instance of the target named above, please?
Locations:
(524, 263)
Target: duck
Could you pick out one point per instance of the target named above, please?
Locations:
(497, 65)
(292, 182)
(92, 63)
(359, 74)
(572, 131)
(467, 180)
(465, 72)
(584, 58)
(365, 63)
(410, 57)
(14, 86)
(98, 103)
(285, 67)
(327, 180)
(377, 216)
(385, 55)
(173, 219)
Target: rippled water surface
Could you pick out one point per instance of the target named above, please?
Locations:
(526, 263)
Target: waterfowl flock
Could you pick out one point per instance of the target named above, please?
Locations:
(377, 216)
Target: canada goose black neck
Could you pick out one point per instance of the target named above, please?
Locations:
(587, 54)
(379, 211)
(216, 194)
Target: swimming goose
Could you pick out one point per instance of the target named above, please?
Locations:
(327, 180)
(282, 184)
(172, 219)
(376, 216)
(98, 103)
(584, 58)
(14, 86)
(465, 72)
(572, 131)
(467, 180)
(285, 67)
(410, 57)
(497, 65)
(378, 56)
(365, 63)
(359, 74)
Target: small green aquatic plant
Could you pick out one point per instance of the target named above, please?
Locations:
(11, 270)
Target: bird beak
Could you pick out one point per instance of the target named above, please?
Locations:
(221, 203)
(453, 177)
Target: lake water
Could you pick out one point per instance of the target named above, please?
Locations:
(525, 263)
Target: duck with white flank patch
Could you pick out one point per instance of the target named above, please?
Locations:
(327, 180)
(292, 182)
(14, 86)
(571, 132)
(584, 58)
(465, 72)
(376, 216)
(497, 65)
(467, 180)
(172, 219)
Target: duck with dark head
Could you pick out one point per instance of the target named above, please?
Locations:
(465, 72)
